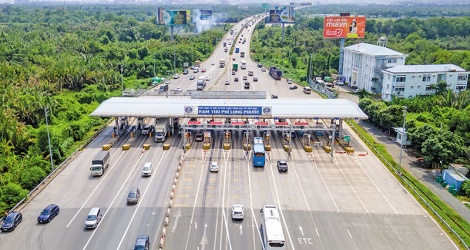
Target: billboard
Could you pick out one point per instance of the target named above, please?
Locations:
(172, 17)
(344, 27)
(206, 14)
(282, 15)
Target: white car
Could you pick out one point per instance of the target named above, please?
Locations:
(227, 82)
(176, 76)
(263, 69)
(178, 89)
(208, 78)
(238, 212)
(214, 167)
(147, 169)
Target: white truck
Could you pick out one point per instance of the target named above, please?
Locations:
(162, 127)
(243, 64)
(222, 63)
(100, 163)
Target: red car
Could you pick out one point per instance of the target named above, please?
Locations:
(203, 70)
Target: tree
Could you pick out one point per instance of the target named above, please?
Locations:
(419, 135)
(445, 147)
(31, 177)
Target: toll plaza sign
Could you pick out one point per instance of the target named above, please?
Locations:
(234, 110)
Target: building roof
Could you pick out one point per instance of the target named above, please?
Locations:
(430, 68)
(373, 50)
(186, 107)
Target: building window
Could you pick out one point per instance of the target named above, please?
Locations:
(429, 88)
(462, 77)
(400, 89)
(426, 78)
(391, 60)
(401, 79)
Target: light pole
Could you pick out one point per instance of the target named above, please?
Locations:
(49, 139)
(401, 142)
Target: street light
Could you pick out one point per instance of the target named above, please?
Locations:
(49, 139)
(401, 142)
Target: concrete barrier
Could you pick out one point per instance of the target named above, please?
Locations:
(361, 153)
(168, 212)
(170, 204)
(166, 221)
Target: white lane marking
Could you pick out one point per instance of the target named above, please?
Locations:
(224, 213)
(96, 188)
(280, 207)
(177, 216)
(349, 233)
(114, 199)
(140, 202)
(301, 230)
(241, 230)
(252, 210)
(324, 184)
(316, 229)
(373, 182)
(195, 201)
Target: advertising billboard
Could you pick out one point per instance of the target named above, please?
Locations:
(172, 17)
(344, 27)
(282, 15)
(206, 14)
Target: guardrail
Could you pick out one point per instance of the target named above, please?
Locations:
(59, 168)
(408, 183)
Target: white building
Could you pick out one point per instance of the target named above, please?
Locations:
(363, 64)
(407, 81)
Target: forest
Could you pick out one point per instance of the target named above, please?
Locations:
(61, 62)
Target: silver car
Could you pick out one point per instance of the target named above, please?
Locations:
(238, 212)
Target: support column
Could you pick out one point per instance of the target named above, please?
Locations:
(333, 141)
(340, 130)
(341, 56)
(116, 126)
(283, 32)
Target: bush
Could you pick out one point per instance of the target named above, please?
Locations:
(31, 177)
(11, 194)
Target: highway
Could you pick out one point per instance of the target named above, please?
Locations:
(348, 202)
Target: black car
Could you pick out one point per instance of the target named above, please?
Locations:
(293, 87)
(260, 65)
(199, 137)
(274, 96)
(142, 242)
(235, 79)
(133, 196)
(11, 221)
(48, 213)
(185, 72)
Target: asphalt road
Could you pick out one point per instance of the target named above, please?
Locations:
(348, 202)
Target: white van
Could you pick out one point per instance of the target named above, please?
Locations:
(307, 90)
(147, 169)
(93, 218)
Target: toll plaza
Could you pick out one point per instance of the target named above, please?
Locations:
(248, 112)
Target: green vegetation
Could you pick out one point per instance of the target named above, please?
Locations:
(69, 60)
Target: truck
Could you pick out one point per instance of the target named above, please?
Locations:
(237, 49)
(243, 64)
(201, 83)
(100, 163)
(275, 73)
(235, 66)
(162, 127)
(222, 63)
(242, 54)
(197, 64)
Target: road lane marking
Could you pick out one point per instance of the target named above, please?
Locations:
(96, 188)
(112, 202)
(195, 201)
(349, 233)
(252, 210)
(143, 196)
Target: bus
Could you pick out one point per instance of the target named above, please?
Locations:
(258, 152)
(272, 234)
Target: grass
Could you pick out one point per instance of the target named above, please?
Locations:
(444, 215)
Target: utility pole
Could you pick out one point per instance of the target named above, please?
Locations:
(401, 142)
(49, 138)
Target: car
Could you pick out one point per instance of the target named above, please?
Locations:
(192, 77)
(196, 70)
(167, 82)
(146, 129)
(289, 81)
(274, 96)
(179, 89)
(213, 63)
(203, 70)
(147, 169)
(293, 87)
(263, 69)
(247, 85)
(208, 78)
(11, 221)
(255, 79)
(235, 79)
(142, 242)
(282, 166)
(260, 65)
(176, 76)
(238, 212)
(227, 82)
(214, 166)
(199, 137)
(185, 72)
(133, 196)
(233, 72)
(245, 77)
(48, 213)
